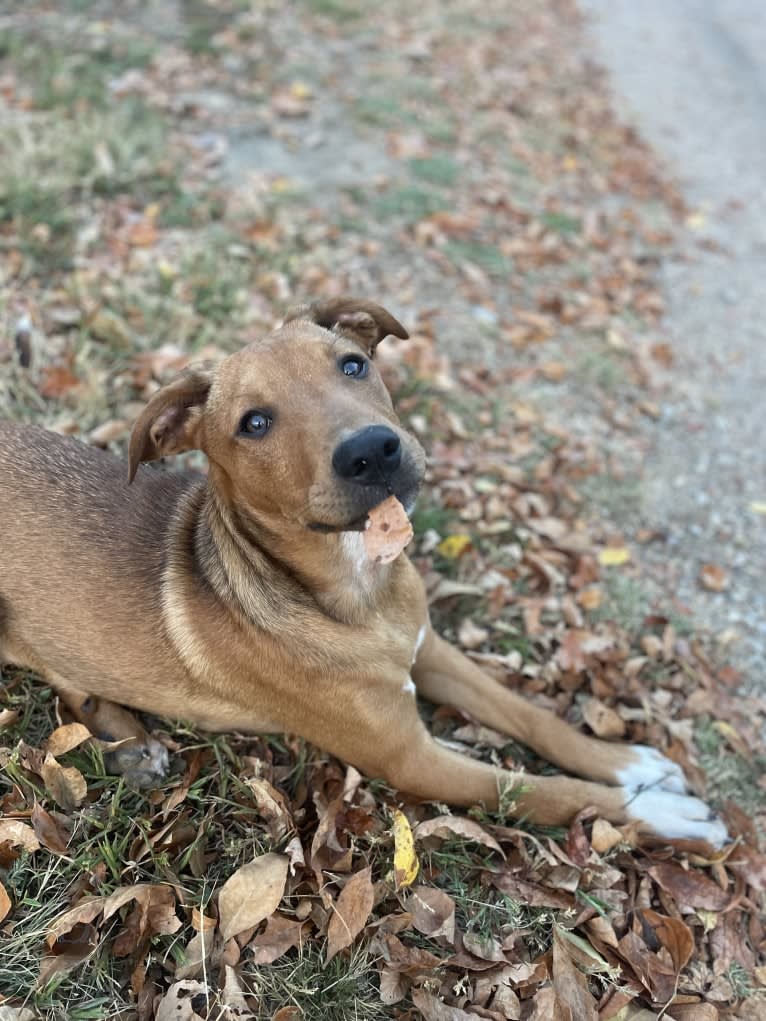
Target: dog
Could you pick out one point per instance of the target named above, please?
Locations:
(244, 600)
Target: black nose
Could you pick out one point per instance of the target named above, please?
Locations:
(369, 457)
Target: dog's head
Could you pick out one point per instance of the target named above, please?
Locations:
(297, 425)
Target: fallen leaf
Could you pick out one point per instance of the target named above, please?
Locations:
(604, 836)
(433, 912)
(690, 888)
(8, 718)
(351, 911)
(251, 894)
(48, 831)
(613, 556)
(447, 826)
(714, 578)
(602, 720)
(5, 902)
(575, 1000)
(65, 784)
(280, 935)
(18, 834)
(406, 864)
(434, 1009)
(454, 546)
(176, 1004)
(65, 738)
(57, 381)
(674, 935)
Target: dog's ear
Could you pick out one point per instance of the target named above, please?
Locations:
(169, 423)
(364, 321)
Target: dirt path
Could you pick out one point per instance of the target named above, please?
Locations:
(692, 77)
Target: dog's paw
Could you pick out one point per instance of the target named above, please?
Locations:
(649, 769)
(675, 816)
(142, 764)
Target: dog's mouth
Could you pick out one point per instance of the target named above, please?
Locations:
(357, 519)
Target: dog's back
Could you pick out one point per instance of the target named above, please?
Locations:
(56, 493)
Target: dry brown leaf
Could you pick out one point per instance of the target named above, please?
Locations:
(602, 720)
(387, 532)
(693, 1012)
(154, 913)
(434, 1009)
(350, 914)
(272, 806)
(674, 935)
(714, 578)
(196, 953)
(65, 784)
(5, 902)
(447, 826)
(65, 738)
(393, 986)
(433, 912)
(251, 894)
(176, 1004)
(604, 836)
(691, 889)
(280, 935)
(8, 718)
(84, 912)
(48, 831)
(575, 1000)
(18, 834)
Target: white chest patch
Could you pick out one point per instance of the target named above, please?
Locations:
(409, 686)
(419, 642)
(352, 545)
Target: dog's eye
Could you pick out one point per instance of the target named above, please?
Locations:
(353, 365)
(255, 423)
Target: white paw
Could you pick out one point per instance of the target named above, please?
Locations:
(651, 769)
(675, 816)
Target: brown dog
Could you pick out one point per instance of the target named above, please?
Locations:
(245, 600)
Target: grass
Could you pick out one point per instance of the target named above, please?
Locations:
(69, 76)
(626, 601)
(729, 775)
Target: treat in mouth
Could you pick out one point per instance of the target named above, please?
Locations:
(387, 531)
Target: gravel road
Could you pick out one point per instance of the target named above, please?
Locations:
(692, 76)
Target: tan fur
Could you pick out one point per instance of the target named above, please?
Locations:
(218, 599)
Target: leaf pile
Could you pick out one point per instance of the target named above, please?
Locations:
(463, 165)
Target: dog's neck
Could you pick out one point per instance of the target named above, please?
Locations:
(240, 555)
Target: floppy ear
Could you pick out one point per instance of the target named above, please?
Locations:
(363, 321)
(170, 421)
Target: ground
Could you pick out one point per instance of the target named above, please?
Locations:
(173, 179)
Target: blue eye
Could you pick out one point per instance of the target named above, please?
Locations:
(353, 365)
(255, 423)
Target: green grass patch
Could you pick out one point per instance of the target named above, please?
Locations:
(487, 257)
(729, 775)
(439, 170)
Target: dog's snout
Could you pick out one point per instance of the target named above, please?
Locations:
(368, 457)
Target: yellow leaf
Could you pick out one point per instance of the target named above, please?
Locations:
(758, 507)
(613, 556)
(454, 545)
(696, 220)
(300, 90)
(709, 919)
(569, 162)
(406, 864)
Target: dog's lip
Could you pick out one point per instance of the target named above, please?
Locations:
(359, 524)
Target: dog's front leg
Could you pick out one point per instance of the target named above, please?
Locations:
(141, 760)
(410, 759)
(652, 787)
